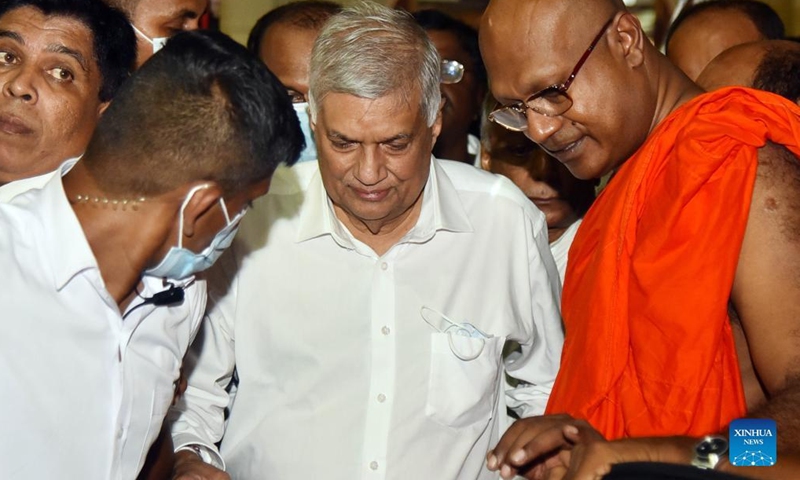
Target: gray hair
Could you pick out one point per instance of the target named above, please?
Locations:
(370, 51)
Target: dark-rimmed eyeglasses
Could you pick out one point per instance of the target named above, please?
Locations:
(550, 102)
(452, 71)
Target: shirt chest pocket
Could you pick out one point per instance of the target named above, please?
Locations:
(464, 379)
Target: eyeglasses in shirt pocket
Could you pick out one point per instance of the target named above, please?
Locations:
(463, 392)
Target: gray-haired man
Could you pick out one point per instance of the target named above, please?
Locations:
(372, 295)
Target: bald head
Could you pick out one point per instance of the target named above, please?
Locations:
(532, 45)
(770, 65)
(704, 31)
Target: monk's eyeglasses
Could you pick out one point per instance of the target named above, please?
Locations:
(550, 102)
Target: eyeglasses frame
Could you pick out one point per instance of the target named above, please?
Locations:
(522, 107)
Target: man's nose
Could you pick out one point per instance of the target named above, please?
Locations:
(19, 84)
(370, 167)
(542, 127)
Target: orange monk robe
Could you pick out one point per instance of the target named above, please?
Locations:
(649, 349)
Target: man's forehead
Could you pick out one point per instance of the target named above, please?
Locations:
(524, 46)
(54, 33)
(171, 8)
(381, 118)
(530, 45)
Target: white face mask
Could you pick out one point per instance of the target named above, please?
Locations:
(180, 263)
(310, 152)
(157, 42)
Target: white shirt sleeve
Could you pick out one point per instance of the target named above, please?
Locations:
(536, 364)
(198, 418)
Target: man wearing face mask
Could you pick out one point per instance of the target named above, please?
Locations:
(283, 39)
(155, 21)
(98, 292)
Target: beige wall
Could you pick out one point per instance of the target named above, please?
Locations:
(237, 17)
(789, 10)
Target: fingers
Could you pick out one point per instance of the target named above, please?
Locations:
(580, 431)
(527, 443)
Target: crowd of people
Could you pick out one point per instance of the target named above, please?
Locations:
(382, 244)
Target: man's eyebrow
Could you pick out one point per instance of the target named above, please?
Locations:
(12, 35)
(187, 13)
(334, 135)
(65, 50)
(399, 136)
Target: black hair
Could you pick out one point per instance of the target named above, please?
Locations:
(766, 20)
(113, 39)
(778, 73)
(202, 108)
(431, 19)
(309, 15)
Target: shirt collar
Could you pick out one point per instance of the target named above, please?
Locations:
(441, 210)
(63, 233)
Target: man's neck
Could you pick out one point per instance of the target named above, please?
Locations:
(674, 89)
(381, 235)
(452, 148)
(122, 232)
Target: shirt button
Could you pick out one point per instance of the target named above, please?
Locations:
(373, 465)
(120, 432)
(381, 398)
(384, 266)
(386, 330)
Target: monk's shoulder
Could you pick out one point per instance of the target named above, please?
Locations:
(777, 189)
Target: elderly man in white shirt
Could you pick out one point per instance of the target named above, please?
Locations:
(98, 297)
(376, 299)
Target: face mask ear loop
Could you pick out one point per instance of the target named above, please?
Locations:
(149, 40)
(183, 208)
(225, 211)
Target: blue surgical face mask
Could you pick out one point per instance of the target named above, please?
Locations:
(180, 263)
(310, 152)
(157, 42)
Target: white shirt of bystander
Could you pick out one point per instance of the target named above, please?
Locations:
(84, 391)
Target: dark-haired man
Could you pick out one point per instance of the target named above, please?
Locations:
(98, 291)
(283, 39)
(770, 65)
(696, 230)
(155, 21)
(463, 85)
(704, 30)
(61, 62)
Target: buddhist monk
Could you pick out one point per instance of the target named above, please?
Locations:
(696, 232)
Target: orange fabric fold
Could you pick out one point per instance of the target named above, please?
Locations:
(649, 349)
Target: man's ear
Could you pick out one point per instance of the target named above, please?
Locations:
(436, 128)
(486, 160)
(102, 108)
(202, 201)
(629, 38)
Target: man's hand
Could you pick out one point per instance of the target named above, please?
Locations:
(537, 447)
(559, 447)
(189, 466)
(592, 456)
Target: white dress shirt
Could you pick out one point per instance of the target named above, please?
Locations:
(341, 377)
(560, 248)
(83, 391)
